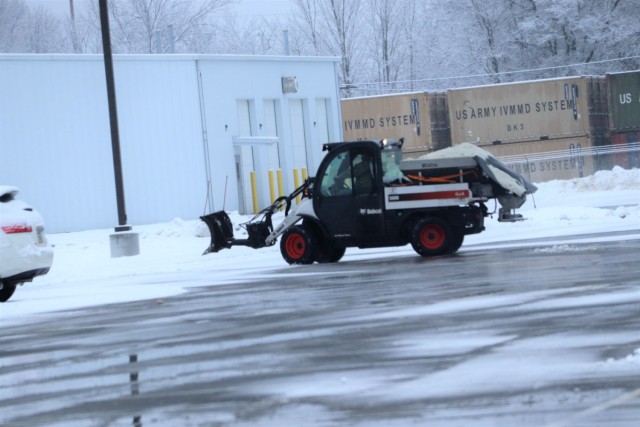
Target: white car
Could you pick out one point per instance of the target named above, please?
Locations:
(24, 250)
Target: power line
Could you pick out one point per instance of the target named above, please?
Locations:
(471, 76)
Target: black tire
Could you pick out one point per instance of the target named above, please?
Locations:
(6, 292)
(431, 237)
(329, 253)
(298, 245)
(456, 241)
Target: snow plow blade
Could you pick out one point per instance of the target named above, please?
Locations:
(221, 230)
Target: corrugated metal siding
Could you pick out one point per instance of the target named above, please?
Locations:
(624, 101)
(440, 123)
(55, 140)
(598, 111)
(161, 139)
(225, 82)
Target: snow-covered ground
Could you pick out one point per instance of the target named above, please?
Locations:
(170, 261)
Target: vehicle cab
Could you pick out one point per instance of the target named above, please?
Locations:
(349, 190)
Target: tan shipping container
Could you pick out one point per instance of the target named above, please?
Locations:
(571, 107)
(421, 118)
(541, 161)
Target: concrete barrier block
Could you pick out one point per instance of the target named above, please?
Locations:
(124, 244)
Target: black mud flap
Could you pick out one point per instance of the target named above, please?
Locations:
(221, 230)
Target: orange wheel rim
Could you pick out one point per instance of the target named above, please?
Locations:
(432, 236)
(295, 246)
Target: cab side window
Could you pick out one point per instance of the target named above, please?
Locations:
(337, 177)
(349, 173)
(362, 174)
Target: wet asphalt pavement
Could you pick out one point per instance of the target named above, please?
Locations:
(535, 336)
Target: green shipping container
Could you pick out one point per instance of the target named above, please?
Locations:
(624, 101)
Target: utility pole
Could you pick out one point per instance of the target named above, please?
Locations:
(122, 244)
(74, 32)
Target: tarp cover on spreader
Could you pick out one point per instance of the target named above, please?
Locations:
(495, 169)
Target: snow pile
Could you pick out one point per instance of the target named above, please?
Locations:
(615, 179)
(625, 211)
(177, 228)
(617, 188)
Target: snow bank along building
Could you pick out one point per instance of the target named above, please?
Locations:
(192, 129)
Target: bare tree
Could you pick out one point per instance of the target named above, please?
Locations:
(29, 30)
(14, 16)
(44, 32)
(580, 31)
(156, 26)
(254, 37)
(388, 19)
(425, 44)
(306, 23)
(409, 30)
(490, 18)
(343, 31)
(336, 30)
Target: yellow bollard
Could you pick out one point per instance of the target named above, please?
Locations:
(272, 190)
(304, 175)
(280, 184)
(254, 191)
(296, 183)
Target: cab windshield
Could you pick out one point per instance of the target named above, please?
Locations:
(349, 173)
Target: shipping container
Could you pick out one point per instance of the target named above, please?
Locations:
(624, 101)
(541, 161)
(541, 110)
(421, 118)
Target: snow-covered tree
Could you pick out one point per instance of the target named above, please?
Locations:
(384, 45)
(33, 30)
(388, 18)
(562, 32)
(44, 32)
(156, 26)
(337, 31)
(305, 24)
(14, 18)
(492, 26)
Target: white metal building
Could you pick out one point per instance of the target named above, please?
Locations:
(183, 119)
